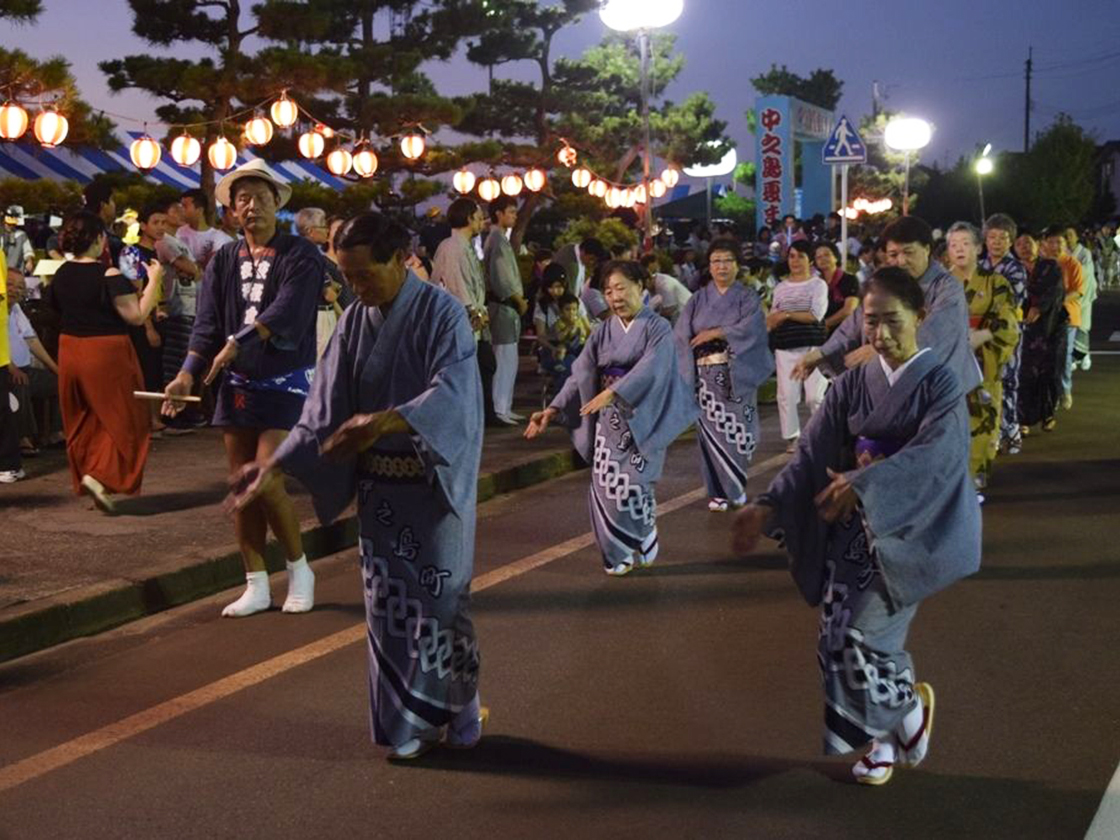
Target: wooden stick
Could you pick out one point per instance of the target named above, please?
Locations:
(158, 395)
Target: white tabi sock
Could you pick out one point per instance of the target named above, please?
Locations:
(911, 725)
(301, 586)
(256, 597)
(882, 752)
(465, 728)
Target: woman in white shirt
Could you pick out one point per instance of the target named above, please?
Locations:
(796, 326)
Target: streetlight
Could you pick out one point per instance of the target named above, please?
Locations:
(983, 166)
(907, 134)
(725, 166)
(642, 15)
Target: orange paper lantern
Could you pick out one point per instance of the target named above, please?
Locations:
(464, 181)
(567, 156)
(51, 128)
(582, 177)
(670, 177)
(222, 154)
(598, 188)
(657, 188)
(258, 131)
(412, 146)
(311, 144)
(185, 150)
(13, 121)
(284, 112)
(145, 153)
(365, 162)
(512, 184)
(535, 179)
(489, 189)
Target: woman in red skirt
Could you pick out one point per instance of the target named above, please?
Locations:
(107, 432)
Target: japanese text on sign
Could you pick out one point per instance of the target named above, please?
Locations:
(771, 146)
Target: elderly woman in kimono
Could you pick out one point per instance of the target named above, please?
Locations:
(993, 319)
(909, 243)
(396, 409)
(624, 403)
(877, 512)
(728, 357)
(1044, 337)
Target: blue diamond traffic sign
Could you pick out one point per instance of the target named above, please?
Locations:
(844, 145)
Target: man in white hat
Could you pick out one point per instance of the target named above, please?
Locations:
(14, 241)
(255, 326)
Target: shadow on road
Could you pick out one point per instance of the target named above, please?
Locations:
(171, 502)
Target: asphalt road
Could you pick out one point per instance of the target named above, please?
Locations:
(680, 702)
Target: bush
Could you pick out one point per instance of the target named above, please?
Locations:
(610, 232)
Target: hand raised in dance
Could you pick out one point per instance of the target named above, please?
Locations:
(223, 360)
(362, 431)
(837, 500)
(249, 483)
(539, 422)
(860, 356)
(597, 403)
(806, 365)
(704, 336)
(180, 386)
(748, 526)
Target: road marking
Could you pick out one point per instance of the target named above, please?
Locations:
(1115, 336)
(1106, 824)
(107, 736)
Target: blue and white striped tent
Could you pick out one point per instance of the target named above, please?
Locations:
(31, 162)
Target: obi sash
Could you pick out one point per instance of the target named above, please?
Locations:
(394, 467)
(610, 375)
(297, 382)
(975, 321)
(869, 450)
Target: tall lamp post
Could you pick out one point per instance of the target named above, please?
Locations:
(907, 134)
(725, 166)
(983, 166)
(642, 15)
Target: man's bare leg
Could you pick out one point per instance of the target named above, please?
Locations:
(282, 518)
(251, 527)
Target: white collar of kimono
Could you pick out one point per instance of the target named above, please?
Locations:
(894, 375)
(637, 315)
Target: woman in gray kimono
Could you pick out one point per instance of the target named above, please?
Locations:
(877, 512)
(396, 406)
(728, 357)
(624, 403)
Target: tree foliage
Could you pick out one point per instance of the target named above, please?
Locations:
(20, 11)
(1060, 189)
(820, 88)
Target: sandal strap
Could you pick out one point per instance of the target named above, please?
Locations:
(913, 742)
(875, 765)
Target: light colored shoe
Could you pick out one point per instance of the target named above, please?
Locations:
(301, 587)
(913, 748)
(718, 505)
(414, 748)
(256, 597)
(12, 476)
(99, 494)
(1067, 401)
(868, 771)
(620, 570)
(1086, 363)
(507, 421)
(468, 736)
(649, 551)
(513, 415)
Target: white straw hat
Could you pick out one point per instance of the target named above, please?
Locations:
(255, 168)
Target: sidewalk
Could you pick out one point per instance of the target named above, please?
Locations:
(68, 571)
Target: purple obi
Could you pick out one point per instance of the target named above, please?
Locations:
(868, 450)
(610, 375)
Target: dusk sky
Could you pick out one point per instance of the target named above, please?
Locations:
(958, 63)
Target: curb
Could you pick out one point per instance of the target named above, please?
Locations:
(92, 609)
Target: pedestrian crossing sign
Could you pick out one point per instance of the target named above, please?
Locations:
(844, 145)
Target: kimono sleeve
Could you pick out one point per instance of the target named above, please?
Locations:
(331, 402)
(446, 417)
(584, 380)
(752, 362)
(293, 310)
(844, 339)
(1004, 320)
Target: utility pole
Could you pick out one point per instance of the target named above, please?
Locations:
(875, 108)
(1027, 107)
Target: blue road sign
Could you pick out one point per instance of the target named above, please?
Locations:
(844, 145)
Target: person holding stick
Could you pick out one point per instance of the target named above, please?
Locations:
(255, 326)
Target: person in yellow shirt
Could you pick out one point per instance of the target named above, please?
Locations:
(1054, 247)
(10, 471)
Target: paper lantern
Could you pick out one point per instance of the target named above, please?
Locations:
(657, 188)
(51, 128)
(365, 162)
(489, 188)
(628, 198)
(222, 154)
(339, 161)
(582, 177)
(613, 197)
(325, 130)
(464, 181)
(185, 150)
(639, 194)
(670, 177)
(567, 156)
(535, 179)
(598, 188)
(284, 112)
(512, 184)
(412, 146)
(258, 131)
(311, 144)
(145, 153)
(13, 121)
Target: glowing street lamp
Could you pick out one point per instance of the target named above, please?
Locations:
(642, 15)
(983, 166)
(907, 134)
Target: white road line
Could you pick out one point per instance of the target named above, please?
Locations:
(1106, 824)
(1115, 336)
(44, 762)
